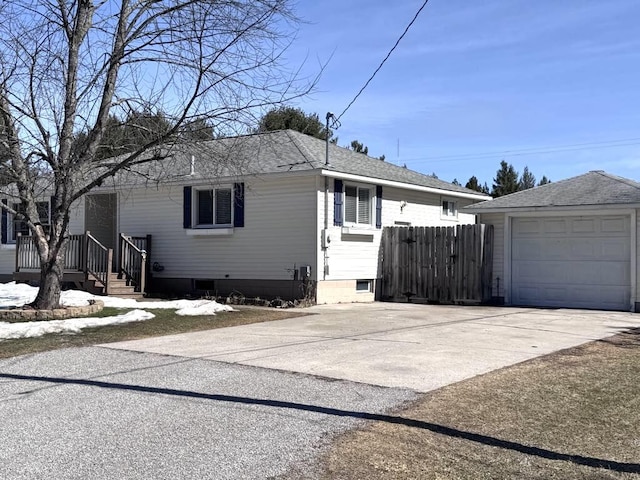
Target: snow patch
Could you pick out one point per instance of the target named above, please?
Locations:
(72, 325)
(18, 294)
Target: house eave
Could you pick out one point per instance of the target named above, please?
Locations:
(406, 186)
(551, 208)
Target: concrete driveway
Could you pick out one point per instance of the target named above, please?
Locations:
(421, 347)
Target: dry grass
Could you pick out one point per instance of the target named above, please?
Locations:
(571, 415)
(166, 322)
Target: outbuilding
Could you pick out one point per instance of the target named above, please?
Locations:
(572, 243)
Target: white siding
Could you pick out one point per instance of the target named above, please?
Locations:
(421, 209)
(280, 231)
(497, 220)
(356, 256)
(7, 259)
(76, 217)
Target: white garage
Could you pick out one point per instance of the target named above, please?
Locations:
(578, 262)
(567, 244)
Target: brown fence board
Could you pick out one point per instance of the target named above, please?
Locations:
(437, 264)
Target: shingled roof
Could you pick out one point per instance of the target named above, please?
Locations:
(344, 160)
(595, 188)
(278, 152)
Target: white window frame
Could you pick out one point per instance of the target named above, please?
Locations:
(195, 207)
(364, 282)
(11, 230)
(372, 203)
(446, 202)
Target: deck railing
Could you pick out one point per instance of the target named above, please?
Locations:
(27, 254)
(133, 259)
(86, 254)
(99, 260)
(27, 257)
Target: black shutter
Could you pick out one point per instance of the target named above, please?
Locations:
(186, 208)
(5, 225)
(379, 206)
(238, 204)
(337, 202)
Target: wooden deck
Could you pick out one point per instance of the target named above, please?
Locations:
(90, 265)
(34, 276)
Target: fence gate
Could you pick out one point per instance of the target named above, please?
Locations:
(437, 264)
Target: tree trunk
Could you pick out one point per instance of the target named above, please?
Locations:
(50, 285)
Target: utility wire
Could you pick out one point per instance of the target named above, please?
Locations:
(533, 151)
(385, 59)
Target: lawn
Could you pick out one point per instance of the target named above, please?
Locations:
(166, 322)
(574, 414)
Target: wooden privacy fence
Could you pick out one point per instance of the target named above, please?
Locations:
(437, 264)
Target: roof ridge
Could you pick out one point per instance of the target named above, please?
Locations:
(626, 181)
(302, 148)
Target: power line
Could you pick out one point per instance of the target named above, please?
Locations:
(385, 59)
(535, 150)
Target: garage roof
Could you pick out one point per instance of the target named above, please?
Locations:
(595, 188)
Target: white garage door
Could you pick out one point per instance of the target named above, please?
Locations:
(577, 262)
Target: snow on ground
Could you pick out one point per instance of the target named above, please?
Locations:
(18, 294)
(71, 325)
(72, 298)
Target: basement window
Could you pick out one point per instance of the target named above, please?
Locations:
(364, 286)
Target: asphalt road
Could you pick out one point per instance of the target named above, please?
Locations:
(103, 414)
(227, 403)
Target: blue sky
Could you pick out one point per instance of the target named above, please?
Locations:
(474, 83)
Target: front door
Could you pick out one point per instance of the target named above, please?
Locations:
(100, 218)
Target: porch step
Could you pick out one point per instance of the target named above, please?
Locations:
(134, 295)
(118, 287)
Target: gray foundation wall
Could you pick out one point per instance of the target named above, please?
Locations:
(267, 289)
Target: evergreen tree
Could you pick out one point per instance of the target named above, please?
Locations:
(544, 180)
(455, 182)
(472, 184)
(283, 118)
(356, 146)
(527, 180)
(506, 180)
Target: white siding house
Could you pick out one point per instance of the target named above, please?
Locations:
(259, 228)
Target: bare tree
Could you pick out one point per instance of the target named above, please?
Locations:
(67, 66)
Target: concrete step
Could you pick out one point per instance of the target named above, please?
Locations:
(117, 287)
(92, 289)
(134, 295)
(120, 288)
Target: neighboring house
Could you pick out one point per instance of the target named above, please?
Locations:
(572, 243)
(259, 213)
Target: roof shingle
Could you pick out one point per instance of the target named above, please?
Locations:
(278, 152)
(593, 188)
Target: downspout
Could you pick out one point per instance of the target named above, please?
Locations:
(325, 233)
(325, 250)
